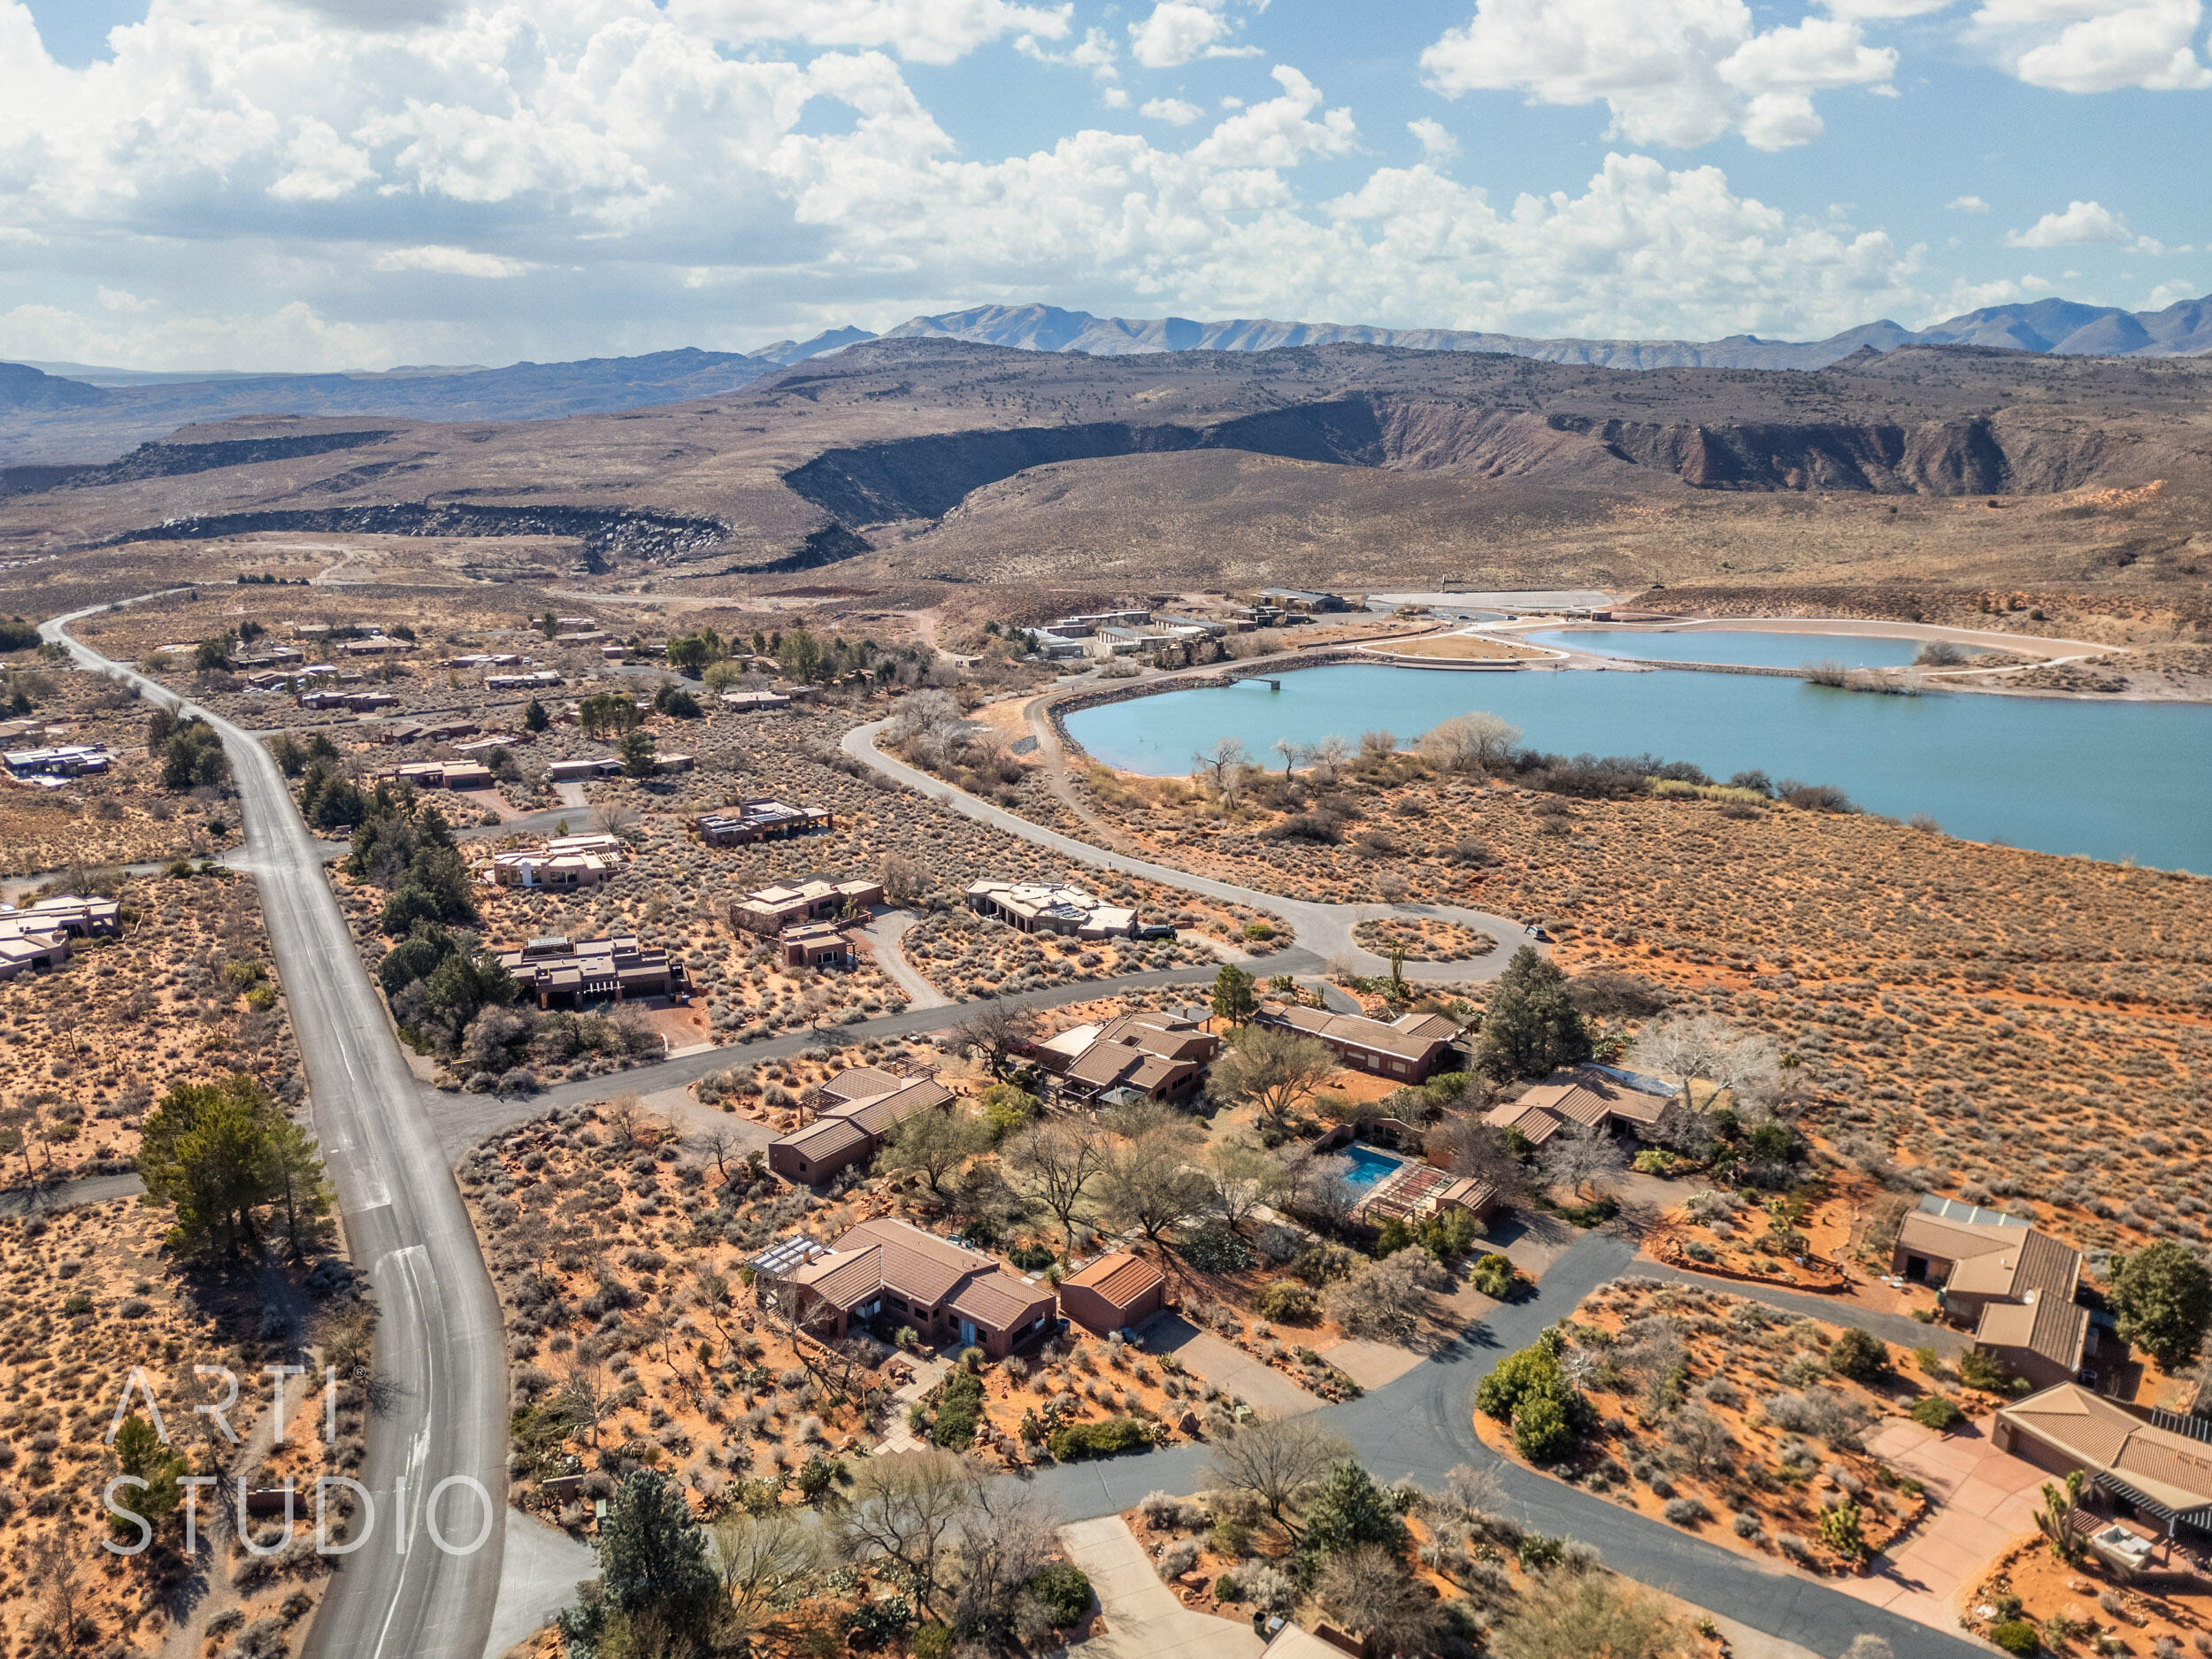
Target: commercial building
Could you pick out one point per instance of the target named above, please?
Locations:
(855, 1113)
(564, 974)
(1136, 1057)
(771, 910)
(889, 1271)
(1052, 907)
(1409, 1048)
(760, 821)
(2010, 1283)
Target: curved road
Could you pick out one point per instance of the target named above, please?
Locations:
(1324, 931)
(441, 1348)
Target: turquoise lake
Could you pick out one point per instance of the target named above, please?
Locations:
(1733, 645)
(2110, 779)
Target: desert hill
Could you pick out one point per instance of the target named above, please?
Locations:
(913, 460)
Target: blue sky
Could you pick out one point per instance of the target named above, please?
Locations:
(304, 184)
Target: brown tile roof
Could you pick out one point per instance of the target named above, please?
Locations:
(860, 1082)
(824, 1138)
(1353, 1031)
(2029, 1276)
(1001, 1301)
(844, 1281)
(1118, 1277)
(884, 1112)
(1536, 1124)
(2170, 1468)
(901, 1258)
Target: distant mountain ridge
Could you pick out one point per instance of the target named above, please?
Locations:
(2062, 326)
(92, 415)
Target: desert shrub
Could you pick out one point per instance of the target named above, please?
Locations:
(1687, 1511)
(1214, 1248)
(1493, 1276)
(1063, 1590)
(1934, 1411)
(1287, 1299)
(1078, 1442)
(1858, 1354)
(2016, 1636)
(1178, 1558)
(959, 1408)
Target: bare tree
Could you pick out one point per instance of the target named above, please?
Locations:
(1293, 753)
(611, 817)
(1005, 1536)
(903, 1515)
(905, 880)
(1368, 1588)
(997, 1030)
(1327, 757)
(711, 1292)
(58, 1575)
(1704, 1438)
(1149, 1183)
(1319, 1186)
(1475, 741)
(1707, 1048)
(1384, 1301)
(1271, 1070)
(1243, 1177)
(721, 1144)
(586, 1398)
(1569, 1614)
(1278, 1461)
(1580, 1155)
(1466, 1144)
(1224, 760)
(764, 1561)
(935, 1144)
(1054, 1162)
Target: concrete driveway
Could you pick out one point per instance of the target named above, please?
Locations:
(1143, 1619)
(1226, 1365)
(1982, 1499)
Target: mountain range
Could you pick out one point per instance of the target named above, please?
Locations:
(85, 415)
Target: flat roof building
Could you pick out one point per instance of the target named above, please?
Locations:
(567, 862)
(755, 702)
(59, 760)
(762, 820)
(565, 973)
(771, 910)
(1052, 907)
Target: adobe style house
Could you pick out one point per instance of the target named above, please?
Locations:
(815, 945)
(35, 940)
(1146, 1057)
(441, 774)
(1409, 1048)
(771, 910)
(855, 1113)
(562, 973)
(2154, 1464)
(2011, 1285)
(763, 820)
(1580, 1094)
(533, 679)
(1052, 907)
(567, 862)
(887, 1269)
(1117, 1292)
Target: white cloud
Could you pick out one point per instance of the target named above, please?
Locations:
(122, 299)
(2097, 45)
(924, 31)
(1966, 204)
(1672, 72)
(445, 261)
(1436, 144)
(2081, 224)
(1180, 112)
(1179, 30)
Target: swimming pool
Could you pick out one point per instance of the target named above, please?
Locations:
(1370, 1169)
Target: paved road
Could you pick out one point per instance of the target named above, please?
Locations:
(90, 1189)
(1422, 1426)
(1325, 931)
(439, 1343)
(1902, 1329)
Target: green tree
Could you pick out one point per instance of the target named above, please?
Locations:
(1858, 1354)
(1350, 1510)
(637, 755)
(934, 1145)
(192, 757)
(535, 718)
(217, 1154)
(654, 1571)
(1532, 1027)
(1233, 997)
(2162, 1296)
(140, 1453)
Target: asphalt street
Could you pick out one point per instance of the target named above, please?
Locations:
(439, 1348)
